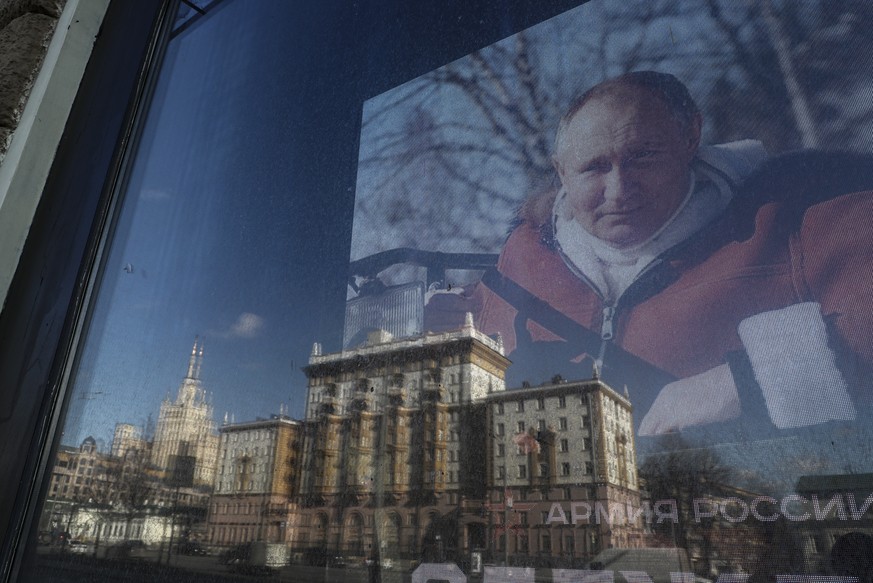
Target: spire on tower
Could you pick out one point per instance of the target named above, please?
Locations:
(192, 362)
(199, 362)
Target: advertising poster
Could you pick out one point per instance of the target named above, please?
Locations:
(673, 199)
(591, 303)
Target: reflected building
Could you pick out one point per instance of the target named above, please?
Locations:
(412, 446)
(564, 452)
(78, 479)
(826, 510)
(185, 442)
(103, 499)
(128, 437)
(255, 481)
(399, 426)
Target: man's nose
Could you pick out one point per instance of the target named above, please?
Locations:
(617, 186)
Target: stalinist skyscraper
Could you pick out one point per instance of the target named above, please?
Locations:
(186, 442)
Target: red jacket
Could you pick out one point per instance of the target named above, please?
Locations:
(786, 239)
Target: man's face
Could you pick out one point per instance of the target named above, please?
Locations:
(623, 161)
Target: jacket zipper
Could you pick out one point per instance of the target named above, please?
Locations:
(606, 331)
(610, 309)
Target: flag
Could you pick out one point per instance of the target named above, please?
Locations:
(527, 442)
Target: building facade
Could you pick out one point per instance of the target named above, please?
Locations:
(564, 454)
(255, 482)
(185, 439)
(128, 437)
(415, 447)
(387, 456)
(409, 448)
(80, 478)
(100, 498)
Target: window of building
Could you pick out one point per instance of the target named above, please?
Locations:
(328, 216)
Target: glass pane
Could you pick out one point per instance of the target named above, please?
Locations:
(590, 302)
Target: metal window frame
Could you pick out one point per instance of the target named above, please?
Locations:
(50, 289)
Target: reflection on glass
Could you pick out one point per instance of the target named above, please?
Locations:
(583, 324)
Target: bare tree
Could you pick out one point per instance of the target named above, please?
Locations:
(467, 143)
(448, 158)
(132, 487)
(797, 69)
(684, 474)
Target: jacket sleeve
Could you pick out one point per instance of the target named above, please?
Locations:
(835, 265)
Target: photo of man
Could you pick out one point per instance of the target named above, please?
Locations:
(685, 255)
(654, 210)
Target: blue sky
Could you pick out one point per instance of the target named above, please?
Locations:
(222, 235)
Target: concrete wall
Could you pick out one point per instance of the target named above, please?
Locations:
(26, 27)
(44, 48)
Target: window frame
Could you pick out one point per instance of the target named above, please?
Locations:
(49, 293)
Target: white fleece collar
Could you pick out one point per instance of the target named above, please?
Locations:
(715, 172)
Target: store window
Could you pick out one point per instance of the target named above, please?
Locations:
(660, 212)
